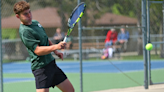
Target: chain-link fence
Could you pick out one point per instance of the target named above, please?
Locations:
(100, 16)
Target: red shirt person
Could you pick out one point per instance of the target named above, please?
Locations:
(111, 38)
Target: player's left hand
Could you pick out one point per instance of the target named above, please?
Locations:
(60, 55)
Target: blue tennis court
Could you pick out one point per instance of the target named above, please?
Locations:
(88, 67)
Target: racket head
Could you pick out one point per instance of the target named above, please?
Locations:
(75, 16)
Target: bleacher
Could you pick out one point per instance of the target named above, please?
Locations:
(91, 47)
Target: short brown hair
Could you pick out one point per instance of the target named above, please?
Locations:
(20, 7)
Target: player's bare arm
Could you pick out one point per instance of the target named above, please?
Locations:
(60, 55)
(44, 50)
(55, 51)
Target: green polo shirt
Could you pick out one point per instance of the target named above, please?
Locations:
(31, 36)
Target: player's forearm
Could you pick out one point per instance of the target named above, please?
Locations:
(50, 43)
(44, 50)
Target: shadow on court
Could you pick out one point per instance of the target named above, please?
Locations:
(152, 88)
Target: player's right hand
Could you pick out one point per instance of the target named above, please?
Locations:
(61, 45)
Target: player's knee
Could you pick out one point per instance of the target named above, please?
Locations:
(73, 90)
(70, 90)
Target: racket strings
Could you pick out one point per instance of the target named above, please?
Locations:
(75, 17)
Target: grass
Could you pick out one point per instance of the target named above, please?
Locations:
(91, 81)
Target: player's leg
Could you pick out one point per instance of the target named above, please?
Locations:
(42, 90)
(43, 77)
(61, 81)
(65, 86)
(41, 80)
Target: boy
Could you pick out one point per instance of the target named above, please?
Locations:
(47, 74)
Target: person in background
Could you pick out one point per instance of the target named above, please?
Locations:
(110, 40)
(43, 65)
(58, 36)
(122, 39)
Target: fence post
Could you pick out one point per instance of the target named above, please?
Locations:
(144, 38)
(80, 53)
(162, 51)
(149, 41)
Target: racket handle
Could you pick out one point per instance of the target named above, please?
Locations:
(65, 39)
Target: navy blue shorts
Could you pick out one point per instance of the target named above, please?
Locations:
(48, 76)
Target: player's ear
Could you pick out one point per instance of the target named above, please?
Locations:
(17, 15)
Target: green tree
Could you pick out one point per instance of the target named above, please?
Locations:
(9, 33)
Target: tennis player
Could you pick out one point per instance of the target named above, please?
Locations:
(47, 74)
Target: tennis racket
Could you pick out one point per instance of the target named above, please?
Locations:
(76, 15)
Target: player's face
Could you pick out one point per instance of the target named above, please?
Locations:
(26, 17)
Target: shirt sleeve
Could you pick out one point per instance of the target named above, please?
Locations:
(29, 40)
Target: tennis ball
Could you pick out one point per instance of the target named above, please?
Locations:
(149, 46)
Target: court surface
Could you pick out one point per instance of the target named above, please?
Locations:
(152, 88)
(88, 67)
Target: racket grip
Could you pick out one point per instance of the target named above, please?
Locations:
(65, 39)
